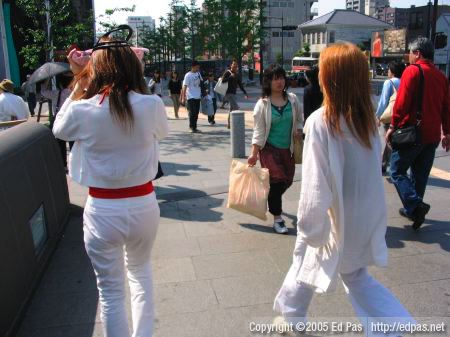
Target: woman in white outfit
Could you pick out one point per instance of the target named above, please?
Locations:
(342, 211)
(116, 129)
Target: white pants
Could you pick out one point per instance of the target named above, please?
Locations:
(371, 301)
(119, 232)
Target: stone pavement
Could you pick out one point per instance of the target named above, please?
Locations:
(216, 270)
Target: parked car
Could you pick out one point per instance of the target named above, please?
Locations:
(381, 69)
(297, 79)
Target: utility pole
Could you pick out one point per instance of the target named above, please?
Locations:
(261, 41)
(433, 23)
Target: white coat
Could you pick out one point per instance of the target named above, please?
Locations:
(342, 210)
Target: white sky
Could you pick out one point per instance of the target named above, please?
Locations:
(158, 8)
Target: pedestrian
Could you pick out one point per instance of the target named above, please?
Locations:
(175, 91)
(192, 93)
(58, 96)
(342, 211)
(390, 86)
(312, 96)
(116, 128)
(30, 95)
(155, 84)
(435, 117)
(210, 84)
(232, 77)
(277, 120)
(12, 107)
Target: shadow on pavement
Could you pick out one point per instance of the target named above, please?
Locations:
(176, 169)
(438, 182)
(267, 229)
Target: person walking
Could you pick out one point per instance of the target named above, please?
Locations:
(421, 81)
(58, 97)
(116, 128)
(277, 120)
(312, 96)
(210, 83)
(342, 212)
(390, 86)
(30, 95)
(175, 91)
(12, 107)
(192, 93)
(234, 80)
(155, 84)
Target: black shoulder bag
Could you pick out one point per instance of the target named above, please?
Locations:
(409, 136)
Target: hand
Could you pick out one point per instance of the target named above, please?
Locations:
(247, 96)
(446, 142)
(389, 135)
(75, 67)
(298, 134)
(251, 161)
(182, 100)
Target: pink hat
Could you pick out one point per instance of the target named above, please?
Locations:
(81, 57)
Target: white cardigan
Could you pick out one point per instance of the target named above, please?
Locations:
(104, 154)
(262, 117)
(342, 213)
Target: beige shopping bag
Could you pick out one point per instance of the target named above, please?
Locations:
(298, 150)
(249, 188)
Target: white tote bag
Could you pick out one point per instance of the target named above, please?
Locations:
(221, 88)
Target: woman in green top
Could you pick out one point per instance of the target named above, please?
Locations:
(277, 120)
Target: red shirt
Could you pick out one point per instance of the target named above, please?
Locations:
(435, 104)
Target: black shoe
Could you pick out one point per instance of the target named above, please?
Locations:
(404, 214)
(419, 215)
(197, 131)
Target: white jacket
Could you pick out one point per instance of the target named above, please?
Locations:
(342, 213)
(104, 154)
(262, 117)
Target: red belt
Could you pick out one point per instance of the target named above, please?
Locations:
(119, 193)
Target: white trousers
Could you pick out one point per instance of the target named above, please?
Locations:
(371, 301)
(119, 233)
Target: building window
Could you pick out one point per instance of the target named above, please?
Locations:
(275, 4)
(305, 38)
(291, 34)
(275, 34)
(332, 36)
(283, 4)
(291, 4)
(320, 38)
(419, 22)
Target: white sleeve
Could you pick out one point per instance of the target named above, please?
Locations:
(314, 223)
(259, 124)
(23, 112)
(299, 115)
(186, 80)
(66, 126)
(161, 125)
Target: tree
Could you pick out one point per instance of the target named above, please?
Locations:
(279, 58)
(306, 49)
(65, 30)
(106, 21)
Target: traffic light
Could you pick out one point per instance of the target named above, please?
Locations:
(440, 41)
(289, 28)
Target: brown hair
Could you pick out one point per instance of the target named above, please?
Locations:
(114, 71)
(344, 78)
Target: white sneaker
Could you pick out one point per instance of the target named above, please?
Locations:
(280, 227)
(284, 328)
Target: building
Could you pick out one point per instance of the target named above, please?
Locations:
(284, 13)
(441, 55)
(368, 7)
(420, 19)
(139, 24)
(397, 17)
(339, 25)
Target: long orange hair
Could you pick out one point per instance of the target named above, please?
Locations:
(344, 79)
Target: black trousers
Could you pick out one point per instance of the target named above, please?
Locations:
(193, 106)
(211, 118)
(63, 150)
(386, 153)
(275, 197)
(31, 100)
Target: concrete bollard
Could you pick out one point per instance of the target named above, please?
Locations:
(238, 134)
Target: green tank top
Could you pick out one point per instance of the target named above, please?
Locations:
(281, 127)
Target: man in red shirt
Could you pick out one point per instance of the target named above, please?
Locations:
(435, 116)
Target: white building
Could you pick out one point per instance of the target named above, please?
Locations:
(286, 13)
(441, 56)
(368, 7)
(339, 25)
(139, 24)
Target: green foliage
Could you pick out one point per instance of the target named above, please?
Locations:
(64, 29)
(279, 58)
(105, 22)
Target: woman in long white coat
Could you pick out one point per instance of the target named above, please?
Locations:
(342, 211)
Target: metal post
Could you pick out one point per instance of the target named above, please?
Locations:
(238, 134)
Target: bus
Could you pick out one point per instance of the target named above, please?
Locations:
(301, 63)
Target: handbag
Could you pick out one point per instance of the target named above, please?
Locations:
(221, 88)
(387, 113)
(409, 136)
(298, 150)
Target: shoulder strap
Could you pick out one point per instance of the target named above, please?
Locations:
(393, 86)
(421, 87)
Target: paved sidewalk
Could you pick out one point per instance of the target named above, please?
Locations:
(216, 270)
